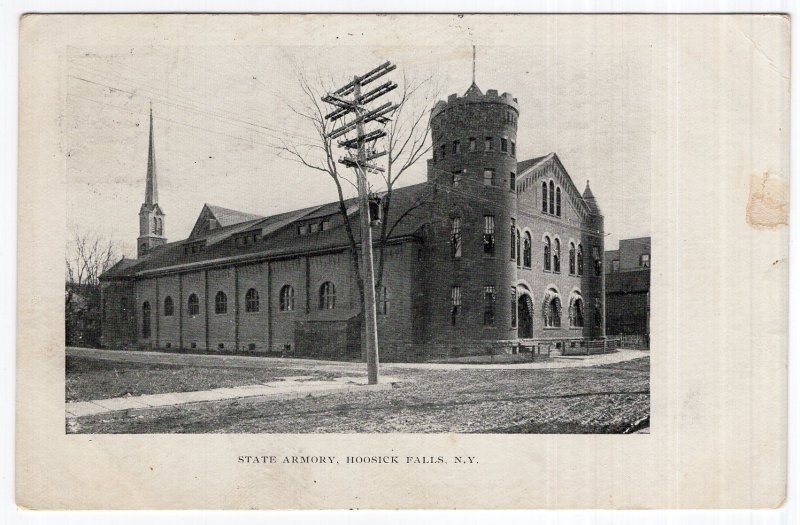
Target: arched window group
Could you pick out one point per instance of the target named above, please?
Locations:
(251, 304)
(519, 249)
(286, 303)
(327, 296)
(551, 199)
(575, 259)
(221, 303)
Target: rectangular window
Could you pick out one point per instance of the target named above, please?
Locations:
(456, 146)
(326, 224)
(513, 149)
(302, 229)
(504, 145)
(488, 177)
(512, 181)
(473, 144)
(644, 260)
(443, 149)
(513, 307)
(457, 177)
(455, 294)
(488, 235)
(513, 239)
(488, 144)
(313, 227)
(488, 306)
(455, 239)
(615, 266)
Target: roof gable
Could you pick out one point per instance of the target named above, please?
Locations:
(534, 170)
(224, 217)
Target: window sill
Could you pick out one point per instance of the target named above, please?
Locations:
(552, 328)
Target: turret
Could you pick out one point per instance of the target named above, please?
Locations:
(474, 168)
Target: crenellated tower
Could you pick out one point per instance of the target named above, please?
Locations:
(151, 218)
(474, 168)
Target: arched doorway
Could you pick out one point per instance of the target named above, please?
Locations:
(525, 312)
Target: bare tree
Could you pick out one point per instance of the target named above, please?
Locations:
(88, 255)
(406, 143)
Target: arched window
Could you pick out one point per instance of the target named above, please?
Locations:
(327, 296)
(576, 312)
(194, 305)
(558, 201)
(557, 256)
(544, 197)
(287, 298)
(251, 300)
(526, 251)
(580, 259)
(547, 254)
(551, 309)
(571, 258)
(551, 204)
(383, 301)
(146, 319)
(169, 308)
(519, 249)
(221, 303)
(155, 225)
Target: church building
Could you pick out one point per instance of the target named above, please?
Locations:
(496, 254)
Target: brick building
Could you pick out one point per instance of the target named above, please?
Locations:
(497, 252)
(628, 291)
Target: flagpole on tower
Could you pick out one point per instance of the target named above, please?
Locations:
(473, 64)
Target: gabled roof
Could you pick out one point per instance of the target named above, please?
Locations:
(531, 168)
(278, 236)
(228, 217)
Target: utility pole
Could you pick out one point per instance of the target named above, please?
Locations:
(361, 161)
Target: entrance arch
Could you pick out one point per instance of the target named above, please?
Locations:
(525, 312)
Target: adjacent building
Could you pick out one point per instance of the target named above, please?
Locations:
(492, 253)
(628, 291)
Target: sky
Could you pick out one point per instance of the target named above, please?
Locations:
(221, 112)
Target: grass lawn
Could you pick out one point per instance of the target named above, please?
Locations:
(88, 379)
(610, 399)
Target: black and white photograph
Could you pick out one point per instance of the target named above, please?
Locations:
(350, 240)
(402, 261)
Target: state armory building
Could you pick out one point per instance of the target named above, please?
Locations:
(496, 252)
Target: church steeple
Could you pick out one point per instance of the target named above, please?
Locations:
(151, 191)
(151, 218)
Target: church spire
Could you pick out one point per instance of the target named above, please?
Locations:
(151, 191)
(151, 218)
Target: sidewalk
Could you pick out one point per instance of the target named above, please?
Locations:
(211, 360)
(290, 388)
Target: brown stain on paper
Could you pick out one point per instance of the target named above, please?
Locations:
(768, 205)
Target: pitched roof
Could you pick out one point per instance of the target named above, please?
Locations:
(525, 164)
(278, 237)
(588, 196)
(228, 217)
